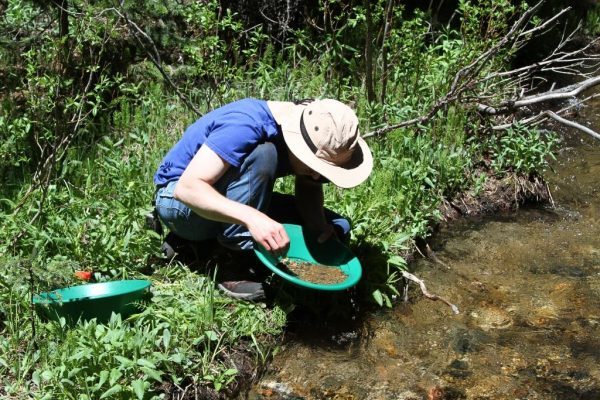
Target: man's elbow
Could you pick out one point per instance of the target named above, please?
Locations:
(181, 191)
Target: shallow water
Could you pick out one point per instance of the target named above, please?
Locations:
(527, 284)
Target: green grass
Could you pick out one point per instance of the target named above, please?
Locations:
(94, 221)
(186, 336)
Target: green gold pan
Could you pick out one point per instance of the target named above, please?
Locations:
(304, 247)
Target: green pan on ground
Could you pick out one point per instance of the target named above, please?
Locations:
(304, 248)
(94, 300)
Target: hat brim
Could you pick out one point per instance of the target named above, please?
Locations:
(350, 174)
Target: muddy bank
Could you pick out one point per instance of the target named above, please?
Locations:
(497, 194)
(239, 358)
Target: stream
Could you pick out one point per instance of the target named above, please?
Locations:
(527, 284)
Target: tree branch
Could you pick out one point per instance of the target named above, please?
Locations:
(472, 88)
(563, 93)
(572, 124)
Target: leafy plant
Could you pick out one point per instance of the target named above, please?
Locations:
(182, 336)
(522, 150)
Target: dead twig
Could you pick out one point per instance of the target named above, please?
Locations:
(426, 293)
(431, 255)
(550, 195)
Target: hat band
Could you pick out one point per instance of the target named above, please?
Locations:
(305, 136)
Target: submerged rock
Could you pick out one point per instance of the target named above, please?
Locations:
(491, 318)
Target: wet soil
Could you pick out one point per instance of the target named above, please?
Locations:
(315, 273)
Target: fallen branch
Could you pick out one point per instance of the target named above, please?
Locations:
(552, 95)
(543, 116)
(431, 255)
(572, 124)
(500, 93)
(426, 293)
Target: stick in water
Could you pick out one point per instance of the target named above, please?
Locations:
(426, 293)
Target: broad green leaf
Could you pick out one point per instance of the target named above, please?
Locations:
(166, 338)
(47, 375)
(397, 260)
(176, 358)
(67, 381)
(139, 388)
(113, 390)
(145, 363)
(73, 372)
(35, 377)
(152, 373)
(100, 330)
(115, 374)
(378, 297)
(387, 300)
(103, 379)
(126, 362)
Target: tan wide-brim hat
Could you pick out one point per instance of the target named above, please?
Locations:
(324, 135)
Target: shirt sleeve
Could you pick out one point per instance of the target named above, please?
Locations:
(234, 136)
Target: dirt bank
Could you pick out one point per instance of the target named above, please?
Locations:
(497, 194)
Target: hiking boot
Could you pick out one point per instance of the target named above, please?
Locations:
(174, 245)
(153, 222)
(167, 250)
(243, 290)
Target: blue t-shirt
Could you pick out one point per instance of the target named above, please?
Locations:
(232, 131)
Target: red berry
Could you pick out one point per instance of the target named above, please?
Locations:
(83, 275)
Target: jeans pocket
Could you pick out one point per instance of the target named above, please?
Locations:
(170, 209)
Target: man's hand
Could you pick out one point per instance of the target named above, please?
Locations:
(269, 233)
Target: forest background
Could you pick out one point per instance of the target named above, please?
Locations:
(92, 95)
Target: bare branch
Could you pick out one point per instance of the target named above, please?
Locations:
(502, 93)
(572, 124)
(544, 115)
(464, 78)
(564, 93)
(389, 128)
(426, 293)
(545, 24)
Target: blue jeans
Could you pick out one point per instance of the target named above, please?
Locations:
(251, 184)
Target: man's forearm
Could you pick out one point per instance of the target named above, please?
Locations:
(205, 201)
(309, 202)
